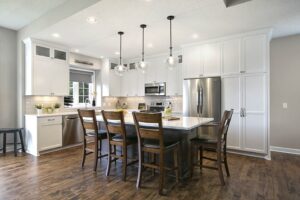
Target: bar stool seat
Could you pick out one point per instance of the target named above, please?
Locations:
(15, 131)
(155, 144)
(101, 134)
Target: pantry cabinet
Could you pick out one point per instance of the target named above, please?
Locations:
(46, 69)
(247, 95)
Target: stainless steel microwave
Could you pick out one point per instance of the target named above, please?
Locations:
(155, 89)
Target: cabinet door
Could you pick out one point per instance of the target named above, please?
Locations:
(192, 62)
(254, 54)
(231, 57)
(125, 79)
(114, 84)
(141, 83)
(42, 80)
(60, 70)
(172, 82)
(212, 59)
(231, 99)
(161, 71)
(132, 86)
(151, 71)
(255, 128)
(49, 133)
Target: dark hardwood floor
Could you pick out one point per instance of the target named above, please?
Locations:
(58, 175)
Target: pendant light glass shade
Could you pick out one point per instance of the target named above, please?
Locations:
(120, 69)
(142, 65)
(171, 60)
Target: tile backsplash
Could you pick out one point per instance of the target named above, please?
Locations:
(31, 101)
(107, 102)
(132, 102)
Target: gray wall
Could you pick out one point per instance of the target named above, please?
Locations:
(285, 87)
(8, 78)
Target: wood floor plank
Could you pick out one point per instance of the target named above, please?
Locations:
(58, 175)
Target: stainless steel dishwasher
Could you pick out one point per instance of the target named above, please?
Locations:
(72, 130)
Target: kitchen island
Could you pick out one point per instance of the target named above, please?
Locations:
(182, 129)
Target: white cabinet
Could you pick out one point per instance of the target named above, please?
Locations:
(231, 57)
(254, 55)
(140, 83)
(231, 99)
(129, 86)
(202, 60)
(174, 81)
(110, 81)
(247, 95)
(49, 133)
(47, 70)
(156, 70)
(42, 133)
(192, 62)
(212, 59)
(255, 115)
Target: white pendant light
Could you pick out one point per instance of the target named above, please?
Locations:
(142, 65)
(171, 60)
(120, 69)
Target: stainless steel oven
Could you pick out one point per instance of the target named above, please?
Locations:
(155, 89)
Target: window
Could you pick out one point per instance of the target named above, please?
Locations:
(81, 88)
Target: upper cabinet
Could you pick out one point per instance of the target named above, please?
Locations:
(254, 55)
(231, 61)
(192, 62)
(46, 69)
(235, 55)
(212, 59)
(202, 60)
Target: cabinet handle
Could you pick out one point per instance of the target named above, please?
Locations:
(50, 120)
(242, 72)
(241, 112)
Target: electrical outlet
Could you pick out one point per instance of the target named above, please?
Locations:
(284, 105)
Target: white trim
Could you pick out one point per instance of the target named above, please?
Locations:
(285, 150)
(247, 153)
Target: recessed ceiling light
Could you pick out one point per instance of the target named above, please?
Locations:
(56, 35)
(76, 50)
(149, 45)
(195, 35)
(91, 20)
(117, 53)
(101, 57)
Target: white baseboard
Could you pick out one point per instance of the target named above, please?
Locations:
(285, 150)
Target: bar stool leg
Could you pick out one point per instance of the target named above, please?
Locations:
(15, 143)
(21, 140)
(4, 143)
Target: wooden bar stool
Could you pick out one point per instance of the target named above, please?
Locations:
(15, 131)
(117, 136)
(91, 134)
(151, 140)
(216, 144)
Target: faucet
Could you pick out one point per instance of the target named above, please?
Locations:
(86, 101)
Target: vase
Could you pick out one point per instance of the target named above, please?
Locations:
(39, 111)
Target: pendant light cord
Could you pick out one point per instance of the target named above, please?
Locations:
(171, 37)
(143, 48)
(120, 49)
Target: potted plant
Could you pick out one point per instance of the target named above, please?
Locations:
(56, 107)
(49, 109)
(39, 108)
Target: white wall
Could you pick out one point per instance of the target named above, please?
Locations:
(8, 78)
(285, 87)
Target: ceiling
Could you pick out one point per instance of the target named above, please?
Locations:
(205, 19)
(15, 14)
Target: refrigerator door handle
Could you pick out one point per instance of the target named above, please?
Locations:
(201, 100)
(198, 99)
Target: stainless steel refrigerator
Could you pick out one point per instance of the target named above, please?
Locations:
(202, 97)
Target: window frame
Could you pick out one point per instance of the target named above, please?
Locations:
(77, 93)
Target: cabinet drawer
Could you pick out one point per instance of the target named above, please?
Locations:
(50, 120)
